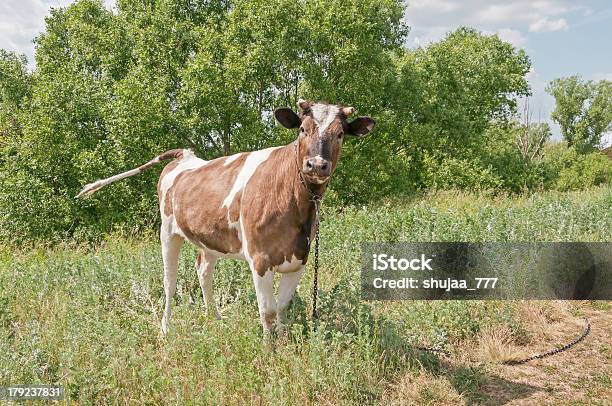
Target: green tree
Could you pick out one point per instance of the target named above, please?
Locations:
(448, 95)
(583, 110)
(15, 91)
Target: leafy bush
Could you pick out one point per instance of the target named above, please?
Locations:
(566, 169)
(447, 172)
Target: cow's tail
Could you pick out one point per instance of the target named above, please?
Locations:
(92, 187)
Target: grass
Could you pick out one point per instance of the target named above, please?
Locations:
(88, 317)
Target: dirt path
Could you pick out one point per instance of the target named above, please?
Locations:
(580, 376)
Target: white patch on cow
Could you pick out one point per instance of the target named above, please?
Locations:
(252, 162)
(286, 289)
(244, 249)
(188, 162)
(289, 266)
(231, 158)
(205, 275)
(264, 289)
(324, 115)
(234, 225)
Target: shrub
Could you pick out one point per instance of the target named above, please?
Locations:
(565, 169)
(448, 172)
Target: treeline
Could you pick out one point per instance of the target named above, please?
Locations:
(111, 90)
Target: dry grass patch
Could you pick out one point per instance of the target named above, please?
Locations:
(497, 345)
(549, 323)
(422, 389)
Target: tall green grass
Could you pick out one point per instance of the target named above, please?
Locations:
(88, 317)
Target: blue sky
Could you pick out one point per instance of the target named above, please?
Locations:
(562, 37)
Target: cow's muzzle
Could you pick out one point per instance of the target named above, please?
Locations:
(317, 169)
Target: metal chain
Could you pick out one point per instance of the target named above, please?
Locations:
(434, 350)
(587, 329)
(315, 287)
(585, 333)
(316, 199)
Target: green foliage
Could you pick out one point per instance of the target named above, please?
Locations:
(583, 110)
(444, 171)
(433, 132)
(462, 83)
(566, 169)
(15, 91)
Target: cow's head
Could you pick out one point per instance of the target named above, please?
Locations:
(322, 129)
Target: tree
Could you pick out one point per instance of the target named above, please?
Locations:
(15, 90)
(583, 110)
(530, 137)
(449, 94)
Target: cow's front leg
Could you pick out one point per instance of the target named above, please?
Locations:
(286, 289)
(264, 288)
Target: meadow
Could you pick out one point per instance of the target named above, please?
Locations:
(87, 317)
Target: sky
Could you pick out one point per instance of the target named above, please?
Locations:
(561, 37)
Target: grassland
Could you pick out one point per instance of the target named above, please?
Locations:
(87, 317)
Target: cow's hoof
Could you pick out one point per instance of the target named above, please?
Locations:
(280, 328)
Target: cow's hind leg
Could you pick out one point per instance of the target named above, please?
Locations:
(205, 266)
(286, 289)
(171, 248)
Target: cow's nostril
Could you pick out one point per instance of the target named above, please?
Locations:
(308, 164)
(324, 166)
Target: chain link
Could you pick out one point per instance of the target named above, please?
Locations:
(587, 330)
(315, 287)
(585, 333)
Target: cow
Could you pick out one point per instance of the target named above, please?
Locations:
(256, 206)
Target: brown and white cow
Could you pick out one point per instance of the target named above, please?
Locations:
(257, 206)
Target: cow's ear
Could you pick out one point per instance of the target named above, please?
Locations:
(287, 118)
(361, 126)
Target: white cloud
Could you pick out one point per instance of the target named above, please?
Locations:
(430, 20)
(514, 37)
(546, 25)
(443, 6)
(602, 76)
(23, 20)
